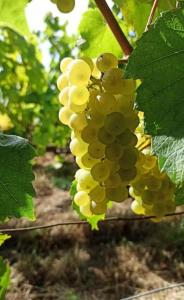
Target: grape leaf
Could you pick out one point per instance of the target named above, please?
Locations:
(3, 238)
(12, 15)
(158, 61)
(136, 12)
(97, 36)
(170, 152)
(16, 190)
(4, 278)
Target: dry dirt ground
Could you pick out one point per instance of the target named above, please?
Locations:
(74, 263)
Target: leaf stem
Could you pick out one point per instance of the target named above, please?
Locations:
(152, 14)
(114, 26)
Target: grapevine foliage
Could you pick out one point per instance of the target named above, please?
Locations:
(16, 190)
(158, 60)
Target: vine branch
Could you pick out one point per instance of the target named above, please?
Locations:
(114, 26)
(152, 13)
(110, 219)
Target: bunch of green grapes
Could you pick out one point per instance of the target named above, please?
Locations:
(64, 6)
(152, 189)
(98, 106)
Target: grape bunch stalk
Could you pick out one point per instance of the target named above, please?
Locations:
(98, 105)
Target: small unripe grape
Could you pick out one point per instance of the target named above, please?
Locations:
(106, 61)
(96, 150)
(97, 194)
(115, 123)
(79, 72)
(65, 63)
(78, 95)
(64, 115)
(81, 198)
(65, 6)
(64, 96)
(98, 208)
(78, 147)
(118, 194)
(62, 82)
(100, 172)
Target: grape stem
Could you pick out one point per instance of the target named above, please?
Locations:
(114, 26)
(152, 14)
(67, 223)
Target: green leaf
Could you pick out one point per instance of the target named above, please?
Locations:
(136, 12)
(16, 190)
(12, 14)
(97, 36)
(3, 238)
(158, 61)
(170, 152)
(4, 278)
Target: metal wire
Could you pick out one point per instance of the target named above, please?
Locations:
(172, 286)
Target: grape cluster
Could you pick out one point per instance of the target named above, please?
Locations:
(98, 107)
(152, 189)
(64, 6)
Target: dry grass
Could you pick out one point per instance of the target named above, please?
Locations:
(74, 263)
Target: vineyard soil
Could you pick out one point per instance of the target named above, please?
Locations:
(74, 263)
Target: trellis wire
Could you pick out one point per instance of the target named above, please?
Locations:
(154, 291)
(111, 219)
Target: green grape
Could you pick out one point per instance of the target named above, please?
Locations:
(132, 121)
(148, 197)
(89, 134)
(118, 194)
(89, 62)
(113, 181)
(96, 72)
(87, 161)
(64, 96)
(85, 181)
(129, 158)
(79, 72)
(125, 102)
(92, 100)
(139, 185)
(98, 208)
(115, 123)
(106, 61)
(78, 121)
(153, 183)
(96, 150)
(128, 174)
(65, 115)
(78, 147)
(62, 82)
(149, 161)
(112, 81)
(85, 210)
(97, 194)
(105, 103)
(95, 119)
(127, 138)
(65, 63)
(77, 108)
(113, 165)
(100, 172)
(105, 137)
(81, 198)
(65, 6)
(78, 95)
(113, 151)
(137, 208)
(128, 86)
